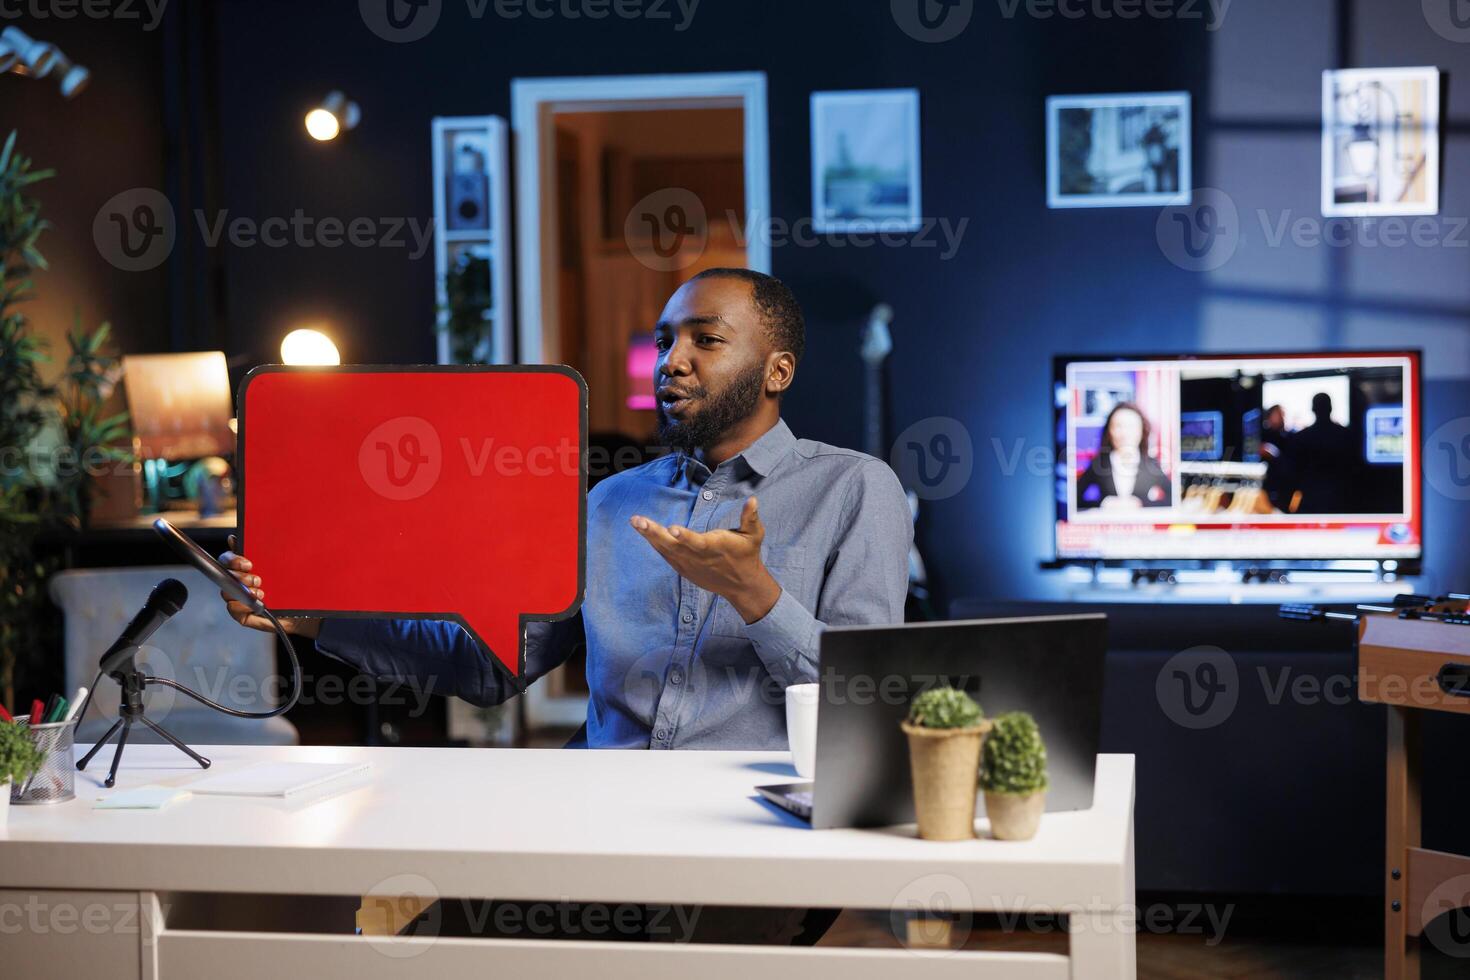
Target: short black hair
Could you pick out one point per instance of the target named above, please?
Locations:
(775, 302)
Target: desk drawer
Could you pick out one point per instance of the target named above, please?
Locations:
(70, 934)
(1414, 679)
(251, 956)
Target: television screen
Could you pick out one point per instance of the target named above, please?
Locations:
(1250, 457)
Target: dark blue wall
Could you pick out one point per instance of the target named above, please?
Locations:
(974, 334)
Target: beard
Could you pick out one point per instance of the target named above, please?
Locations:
(720, 413)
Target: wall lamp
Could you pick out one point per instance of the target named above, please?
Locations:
(335, 114)
(309, 347)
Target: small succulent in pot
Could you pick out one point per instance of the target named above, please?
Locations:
(1013, 776)
(19, 758)
(944, 707)
(945, 728)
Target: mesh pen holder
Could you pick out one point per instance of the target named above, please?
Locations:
(55, 781)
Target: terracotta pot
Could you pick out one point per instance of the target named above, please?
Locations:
(946, 766)
(1014, 817)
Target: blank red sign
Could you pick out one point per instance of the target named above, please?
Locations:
(429, 493)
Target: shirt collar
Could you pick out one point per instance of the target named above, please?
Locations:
(761, 456)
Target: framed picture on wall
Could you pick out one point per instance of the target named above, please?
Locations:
(1118, 151)
(865, 161)
(1380, 142)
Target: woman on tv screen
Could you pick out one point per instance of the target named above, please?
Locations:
(1123, 475)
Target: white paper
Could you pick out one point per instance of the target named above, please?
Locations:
(274, 778)
(151, 797)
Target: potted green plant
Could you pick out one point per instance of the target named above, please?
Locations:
(19, 758)
(62, 420)
(945, 728)
(1013, 775)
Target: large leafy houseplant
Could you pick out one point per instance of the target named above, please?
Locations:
(42, 487)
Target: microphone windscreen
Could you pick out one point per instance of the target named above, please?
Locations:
(169, 595)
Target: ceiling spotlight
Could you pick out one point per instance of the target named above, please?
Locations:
(74, 78)
(37, 56)
(334, 115)
(309, 347)
(23, 55)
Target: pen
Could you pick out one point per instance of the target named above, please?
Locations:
(37, 711)
(46, 711)
(76, 703)
(5, 715)
(58, 712)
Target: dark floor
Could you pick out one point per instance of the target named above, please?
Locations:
(1330, 947)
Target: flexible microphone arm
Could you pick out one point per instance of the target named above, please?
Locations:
(167, 598)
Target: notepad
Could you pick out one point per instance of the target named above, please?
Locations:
(275, 778)
(151, 797)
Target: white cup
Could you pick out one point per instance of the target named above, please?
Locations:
(801, 727)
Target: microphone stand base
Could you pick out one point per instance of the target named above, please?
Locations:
(131, 713)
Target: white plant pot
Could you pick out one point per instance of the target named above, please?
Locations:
(1014, 817)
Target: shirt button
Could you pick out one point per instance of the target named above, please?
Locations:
(688, 617)
(676, 676)
(708, 495)
(660, 734)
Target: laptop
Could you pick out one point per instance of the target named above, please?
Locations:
(1051, 667)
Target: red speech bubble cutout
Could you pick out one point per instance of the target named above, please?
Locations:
(454, 493)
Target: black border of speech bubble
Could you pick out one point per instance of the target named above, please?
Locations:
(520, 678)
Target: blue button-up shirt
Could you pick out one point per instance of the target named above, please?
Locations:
(670, 665)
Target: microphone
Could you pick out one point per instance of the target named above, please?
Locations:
(166, 599)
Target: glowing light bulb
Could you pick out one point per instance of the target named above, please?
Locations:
(322, 125)
(309, 347)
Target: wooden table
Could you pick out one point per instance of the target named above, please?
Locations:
(1413, 666)
(549, 825)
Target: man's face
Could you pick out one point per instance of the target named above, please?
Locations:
(711, 367)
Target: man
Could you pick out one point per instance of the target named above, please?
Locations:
(1323, 462)
(704, 601)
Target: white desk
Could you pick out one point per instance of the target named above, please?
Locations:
(649, 827)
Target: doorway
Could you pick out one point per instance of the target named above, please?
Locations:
(626, 187)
